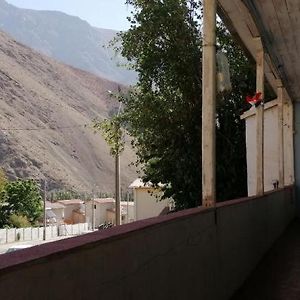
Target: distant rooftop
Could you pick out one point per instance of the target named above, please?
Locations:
(104, 200)
(71, 202)
(51, 205)
(138, 183)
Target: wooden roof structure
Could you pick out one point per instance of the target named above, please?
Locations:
(276, 25)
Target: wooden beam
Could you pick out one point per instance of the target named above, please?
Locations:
(260, 123)
(209, 104)
(280, 135)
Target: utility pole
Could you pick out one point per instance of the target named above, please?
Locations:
(45, 217)
(127, 198)
(93, 213)
(118, 191)
(117, 170)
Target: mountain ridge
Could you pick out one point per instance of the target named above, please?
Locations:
(44, 107)
(68, 39)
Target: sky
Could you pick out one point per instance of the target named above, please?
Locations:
(110, 14)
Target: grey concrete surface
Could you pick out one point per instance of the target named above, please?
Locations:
(194, 254)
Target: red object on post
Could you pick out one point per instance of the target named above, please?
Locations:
(255, 100)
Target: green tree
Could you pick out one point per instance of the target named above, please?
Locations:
(163, 112)
(22, 198)
(17, 221)
(3, 180)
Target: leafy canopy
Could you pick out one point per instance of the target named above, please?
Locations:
(163, 111)
(22, 198)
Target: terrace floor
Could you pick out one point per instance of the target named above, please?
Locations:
(277, 277)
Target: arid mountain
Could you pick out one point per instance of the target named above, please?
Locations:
(44, 106)
(65, 38)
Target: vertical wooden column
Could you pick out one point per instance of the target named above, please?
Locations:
(209, 104)
(280, 134)
(260, 123)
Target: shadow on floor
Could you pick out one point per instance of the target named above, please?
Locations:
(277, 277)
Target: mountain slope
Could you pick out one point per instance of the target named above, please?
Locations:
(65, 38)
(43, 108)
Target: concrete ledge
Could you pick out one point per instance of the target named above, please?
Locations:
(197, 253)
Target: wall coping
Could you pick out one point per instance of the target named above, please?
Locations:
(40, 253)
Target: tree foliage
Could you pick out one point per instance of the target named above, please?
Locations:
(3, 180)
(163, 111)
(112, 133)
(22, 199)
(18, 221)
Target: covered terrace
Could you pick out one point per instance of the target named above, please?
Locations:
(202, 253)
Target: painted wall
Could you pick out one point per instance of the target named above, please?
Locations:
(271, 156)
(100, 212)
(147, 204)
(59, 212)
(194, 254)
(128, 211)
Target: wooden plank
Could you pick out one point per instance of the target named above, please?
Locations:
(276, 21)
(291, 53)
(240, 23)
(260, 124)
(252, 111)
(209, 104)
(288, 138)
(280, 135)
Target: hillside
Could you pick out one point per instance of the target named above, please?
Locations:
(43, 108)
(65, 38)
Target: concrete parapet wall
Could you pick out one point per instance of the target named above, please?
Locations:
(193, 254)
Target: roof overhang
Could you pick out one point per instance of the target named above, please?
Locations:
(273, 25)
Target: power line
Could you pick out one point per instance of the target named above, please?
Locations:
(44, 128)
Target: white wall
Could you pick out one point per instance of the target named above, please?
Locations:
(271, 156)
(36, 233)
(147, 204)
(100, 212)
(59, 212)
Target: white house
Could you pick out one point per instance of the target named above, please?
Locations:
(74, 211)
(104, 211)
(146, 200)
(99, 216)
(55, 212)
(127, 213)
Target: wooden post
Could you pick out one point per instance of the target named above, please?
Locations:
(209, 104)
(260, 124)
(280, 134)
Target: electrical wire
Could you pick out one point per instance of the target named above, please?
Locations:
(45, 128)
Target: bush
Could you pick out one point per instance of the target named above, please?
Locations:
(18, 221)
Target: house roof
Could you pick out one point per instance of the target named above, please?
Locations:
(275, 25)
(71, 202)
(104, 200)
(54, 205)
(138, 183)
